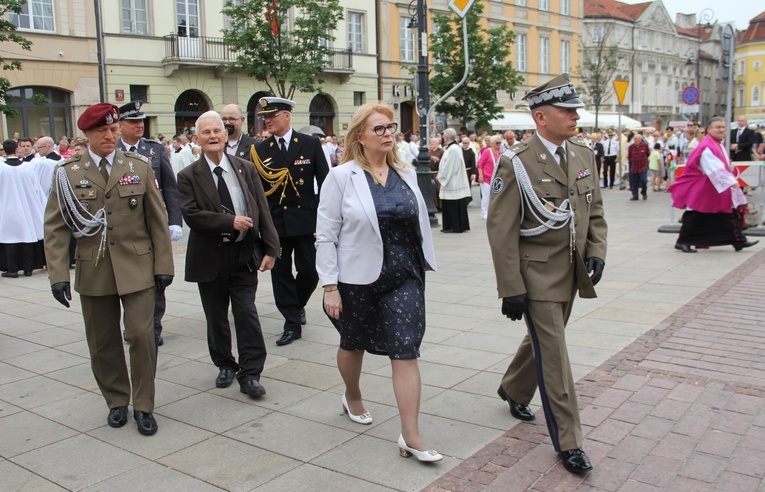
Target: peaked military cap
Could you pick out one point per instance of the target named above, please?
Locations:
(132, 111)
(558, 92)
(270, 105)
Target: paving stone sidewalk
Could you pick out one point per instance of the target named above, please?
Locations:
(681, 408)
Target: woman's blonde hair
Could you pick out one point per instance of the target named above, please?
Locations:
(354, 151)
(495, 138)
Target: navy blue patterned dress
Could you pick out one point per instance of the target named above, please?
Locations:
(387, 317)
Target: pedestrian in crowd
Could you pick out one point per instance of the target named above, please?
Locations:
(507, 142)
(486, 165)
(45, 163)
(22, 201)
(655, 166)
(470, 163)
(340, 150)
(373, 245)
(26, 150)
(288, 163)
(132, 141)
(610, 155)
(238, 143)
(596, 145)
(637, 155)
(414, 148)
(232, 238)
(179, 159)
(80, 148)
(64, 149)
(402, 148)
(436, 153)
(741, 141)
(543, 255)
(710, 193)
(109, 200)
(455, 188)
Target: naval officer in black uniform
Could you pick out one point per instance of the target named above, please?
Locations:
(288, 163)
(131, 140)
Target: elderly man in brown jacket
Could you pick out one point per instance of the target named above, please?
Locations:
(547, 236)
(109, 200)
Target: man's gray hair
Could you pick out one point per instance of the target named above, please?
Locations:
(450, 134)
(209, 115)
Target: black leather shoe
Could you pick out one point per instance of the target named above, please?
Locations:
(748, 244)
(146, 423)
(117, 417)
(517, 410)
(288, 337)
(575, 461)
(225, 377)
(252, 388)
(10, 275)
(684, 248)
(302, 317)
(633, 199)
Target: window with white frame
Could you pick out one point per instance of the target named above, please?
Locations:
(134, 17)
(565, 56)
(36, 15)
(756, 95)
(597, 34)
(740, 98)
(406, 39)
(544, 4)
(741, 67)
(227, 20)
(520, 3)
(544, 55)
(565, 7)
(520, 52)
(356, 32)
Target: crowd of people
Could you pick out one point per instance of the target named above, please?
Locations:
(344, 214)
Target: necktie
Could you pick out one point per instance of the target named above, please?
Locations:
(283, 145)
(132, 148)
(225, 196)
(563, 163)
(104, 170)
(610, 142)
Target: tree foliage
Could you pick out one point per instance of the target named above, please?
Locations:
(8, 34)
(490, 69)
(283, 43)
(601, 61)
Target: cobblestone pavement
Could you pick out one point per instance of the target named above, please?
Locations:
(681, 408)
(53, 432)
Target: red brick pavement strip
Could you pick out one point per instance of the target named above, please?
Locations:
(682, 407)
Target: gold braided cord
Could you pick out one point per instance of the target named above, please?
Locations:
(276, 178)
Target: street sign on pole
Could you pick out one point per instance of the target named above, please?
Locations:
(461, 7)
(691, 95)
(620, 87)
(690, 109)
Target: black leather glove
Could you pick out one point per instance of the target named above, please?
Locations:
(62, 292)
(513, 307)
(163, 281)
(595, 269)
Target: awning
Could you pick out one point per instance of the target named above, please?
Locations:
(514, 120)
(605, 120)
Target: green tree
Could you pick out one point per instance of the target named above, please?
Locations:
(8, 34)
(490, 69)
(283, 43)
(601, 61)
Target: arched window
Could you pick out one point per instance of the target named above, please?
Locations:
(322, 113)
(255, 125)
(53, 119)
(188, 107)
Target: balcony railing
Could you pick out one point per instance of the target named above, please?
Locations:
(203, 49)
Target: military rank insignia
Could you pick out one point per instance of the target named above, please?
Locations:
(583, 174)
(130, 180)
(497, 185)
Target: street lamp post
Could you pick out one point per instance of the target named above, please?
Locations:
(705, 19)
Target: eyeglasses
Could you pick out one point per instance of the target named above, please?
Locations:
(381, 129)
(226, 119)
(272, 116)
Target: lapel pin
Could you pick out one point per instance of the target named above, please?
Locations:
(294, 139)
(75, 168)
(87, 164)
(543, 156)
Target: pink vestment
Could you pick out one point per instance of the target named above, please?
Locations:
(694, 189)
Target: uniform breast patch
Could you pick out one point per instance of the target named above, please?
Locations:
(497, 185)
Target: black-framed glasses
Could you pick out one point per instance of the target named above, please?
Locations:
(381, 129)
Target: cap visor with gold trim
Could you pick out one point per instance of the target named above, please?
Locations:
(559, 92)
(270, 105)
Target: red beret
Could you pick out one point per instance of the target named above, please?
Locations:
(98, 115)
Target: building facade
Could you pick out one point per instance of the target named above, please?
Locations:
(749, 85)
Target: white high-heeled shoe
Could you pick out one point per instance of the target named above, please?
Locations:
(364, 418)
(426, 456)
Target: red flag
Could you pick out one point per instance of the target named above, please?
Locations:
(272, 19)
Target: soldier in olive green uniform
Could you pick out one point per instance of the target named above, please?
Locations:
(547, 235)
(109, 200)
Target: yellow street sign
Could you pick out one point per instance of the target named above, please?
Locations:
(620, 87)
(461, 7)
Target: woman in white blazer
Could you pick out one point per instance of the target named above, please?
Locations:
(373, 245)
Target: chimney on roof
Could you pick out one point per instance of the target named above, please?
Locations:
(686, 21)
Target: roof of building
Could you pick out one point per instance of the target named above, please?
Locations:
(755, 31)
(614, 10)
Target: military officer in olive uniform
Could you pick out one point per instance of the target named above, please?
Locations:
(108, 199)
(131, 139)
(548, 241)
(288, 163)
